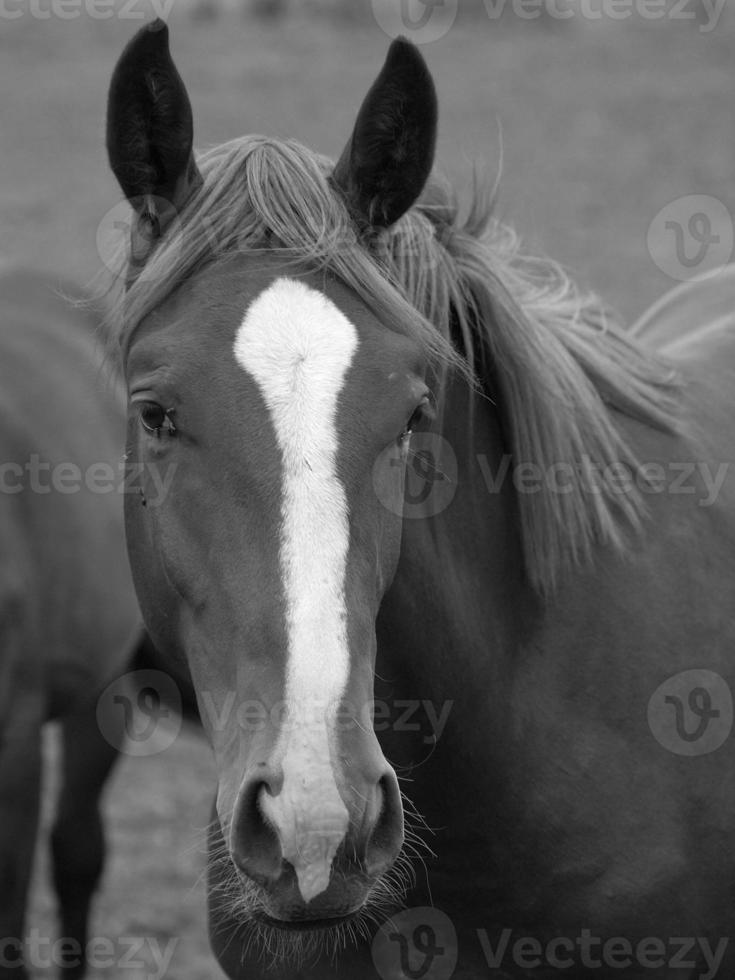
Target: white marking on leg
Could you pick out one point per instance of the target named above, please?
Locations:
(298, 346)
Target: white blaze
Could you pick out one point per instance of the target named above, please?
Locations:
(298, 346)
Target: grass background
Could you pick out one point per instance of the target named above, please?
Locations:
(602, 125)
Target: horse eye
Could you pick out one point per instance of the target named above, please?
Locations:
(154, 417)
(420, 414)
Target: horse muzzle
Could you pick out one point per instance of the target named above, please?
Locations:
(313, 851)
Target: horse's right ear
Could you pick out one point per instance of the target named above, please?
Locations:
(150, 134)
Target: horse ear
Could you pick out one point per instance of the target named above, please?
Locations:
(150, 131)
(389, 157)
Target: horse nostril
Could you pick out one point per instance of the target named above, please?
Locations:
(386, 839)
(256, 849)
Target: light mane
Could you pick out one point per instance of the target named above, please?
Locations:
(559, 364)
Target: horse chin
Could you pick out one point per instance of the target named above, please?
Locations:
(296, 943)
(284, 909)
(285, 934)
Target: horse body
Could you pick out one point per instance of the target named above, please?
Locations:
(69, 620)
(539, 621)
(61, 408)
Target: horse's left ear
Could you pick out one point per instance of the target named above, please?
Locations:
(389, 157)
(150, 134)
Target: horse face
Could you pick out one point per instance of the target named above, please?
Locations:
(282, 408)
(281, 419)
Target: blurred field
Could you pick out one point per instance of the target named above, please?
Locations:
(153, 893)
(602, 125)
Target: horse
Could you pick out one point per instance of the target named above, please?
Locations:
(69, 620)
(449, 555)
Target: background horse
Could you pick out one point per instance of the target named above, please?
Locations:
(69, 622)
(292, 333)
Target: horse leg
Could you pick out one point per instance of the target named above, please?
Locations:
(20, 780)
(77, 836)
